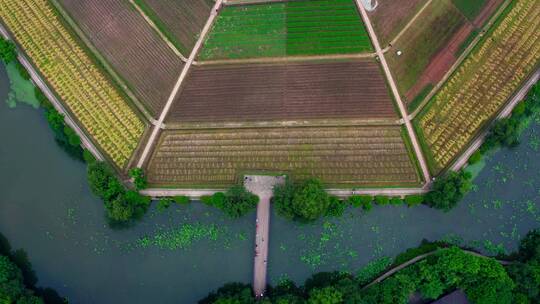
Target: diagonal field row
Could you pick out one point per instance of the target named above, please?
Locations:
(348, 89)
(96, 103)
(180, 21)
(134, 50)
(344, 156)
(482, 85)
(316, 27)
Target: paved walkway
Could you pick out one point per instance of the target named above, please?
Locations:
(185, 70)
(41, 84)
(395, 92)
(262, 186)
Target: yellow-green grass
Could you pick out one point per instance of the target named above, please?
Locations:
(424, 38)
(340, 156)
(482, 85)
(87, 92)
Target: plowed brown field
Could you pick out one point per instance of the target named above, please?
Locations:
(354, 89)
(130, 45)
(184, 19)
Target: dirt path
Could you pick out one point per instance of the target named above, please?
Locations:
(41, 84)
(176, 88)
(409, 24)
(285, 59)
(392, 83)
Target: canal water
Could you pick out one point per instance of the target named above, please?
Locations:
(178, 255)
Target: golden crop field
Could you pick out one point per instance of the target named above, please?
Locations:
(96, 103)
(482, 84)
(341, 156)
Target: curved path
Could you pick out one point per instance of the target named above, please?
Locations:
(392, 271)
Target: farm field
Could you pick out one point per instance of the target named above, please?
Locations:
(136, 52)
(180, 21)
(343, 156)
(391, 16)
(86, 91)
(482, 85)
(262, 92)
(295, 28)
(470, 8)
(426, 36)
(445, 58)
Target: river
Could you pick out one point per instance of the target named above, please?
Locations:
(180, 254)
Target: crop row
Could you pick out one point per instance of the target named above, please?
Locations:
(339, 156)
(290, 28)
(482, 85)
(131, 46)
(75, 78)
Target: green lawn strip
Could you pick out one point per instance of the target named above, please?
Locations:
(420, 97)
(162, 27)
(463, 46)
(433, 167)
(422, 41)
(469, 8)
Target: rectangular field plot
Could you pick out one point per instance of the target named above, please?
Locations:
(86, 91)
(354, 89)
(137, 53)
(426, 36)
(345, 156)
(180, 20)
(316, 27)
(482, 85)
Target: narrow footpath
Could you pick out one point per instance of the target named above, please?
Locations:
(261, 186)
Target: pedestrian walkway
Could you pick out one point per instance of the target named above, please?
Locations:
(261, 186)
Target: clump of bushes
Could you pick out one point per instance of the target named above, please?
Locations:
(364, 201)
(306, 201)
(507, 131)
(236, 202)
(448, 190)
(139, 179)
(122, 205)
(8, 51)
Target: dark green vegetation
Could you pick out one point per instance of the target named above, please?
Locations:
(507, 131)
(8, 51)
(287, 29)
(469, 8)
(445, 269)
(122, 205)
(139, 179)
(236, 202)
(64, 136)
(305, 201)
(448, 190)
(18, 280)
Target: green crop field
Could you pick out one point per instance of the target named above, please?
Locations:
(469, 8)
(315, 27)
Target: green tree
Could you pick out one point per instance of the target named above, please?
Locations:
(236, 202)
(8, 51)
(326, 295)
(139, 178)
(11, 287)
(306, 201)
(448, 190)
